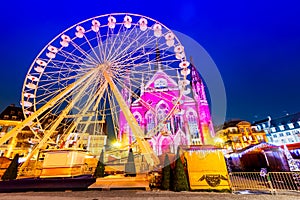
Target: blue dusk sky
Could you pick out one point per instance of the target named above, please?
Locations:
(255, 44)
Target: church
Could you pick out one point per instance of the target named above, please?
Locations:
(166, 121)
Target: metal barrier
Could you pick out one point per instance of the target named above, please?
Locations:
(272, 182)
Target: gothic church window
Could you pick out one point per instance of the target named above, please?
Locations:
(162, 111)
(150, 123)
(161, 83)
(192, 123)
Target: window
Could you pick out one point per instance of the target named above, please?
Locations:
(274, 135)
(236, 139)
(241, 130)
(161, 83)
(234, 130)
(138, 117)
(291, 125)
(281, 127)
(9, 128)
(258, 127)
(192, 123)
(291, 140)
(281, 134)
(150, 121)
(162, 111)
(288, 133)
(273, 129)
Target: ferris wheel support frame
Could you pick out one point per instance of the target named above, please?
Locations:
(99, 95)
(145, 147)
(40, 111)
(57, 122)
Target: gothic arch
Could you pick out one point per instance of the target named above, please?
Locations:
(165, 144)
(190, 112)
(138, 117)
(162, 108)
(150, 121)
(192, 119)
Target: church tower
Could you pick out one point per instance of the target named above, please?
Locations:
(205, 122)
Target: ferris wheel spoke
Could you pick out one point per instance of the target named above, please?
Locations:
(51, 89)
(113, 107)
(85, 109)
(97, 99)
(130, 59)
(72, 63)
(166, 96)
(43, 98)
(113, 42)
(64, 73)
(83, 52)
(92, 49)
(54, 126)
(123, 54)
(107, 38)
(134, 95)
(122, 41)
(150, 52)
(50, 81)
(75, 58)
(120, 54)
(100, 46)
(150, 42)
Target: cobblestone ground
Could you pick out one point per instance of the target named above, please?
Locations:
(134, 195)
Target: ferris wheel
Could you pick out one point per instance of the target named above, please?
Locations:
(91, 72)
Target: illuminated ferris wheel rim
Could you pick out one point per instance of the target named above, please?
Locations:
(156, 27)
(106, 15)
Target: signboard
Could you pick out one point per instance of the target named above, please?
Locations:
(207, 170)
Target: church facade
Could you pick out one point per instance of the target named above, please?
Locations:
(165, 121)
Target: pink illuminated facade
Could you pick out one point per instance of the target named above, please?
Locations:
(186, 123)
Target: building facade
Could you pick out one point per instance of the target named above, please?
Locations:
(186, 123)
(281, 131)
(239, 134)
(22, 142)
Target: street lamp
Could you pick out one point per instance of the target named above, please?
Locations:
(117, 144)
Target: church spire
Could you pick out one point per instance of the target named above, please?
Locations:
(206, 125)
(197, 84)
(158, 65)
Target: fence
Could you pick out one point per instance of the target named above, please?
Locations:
(272, 182)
